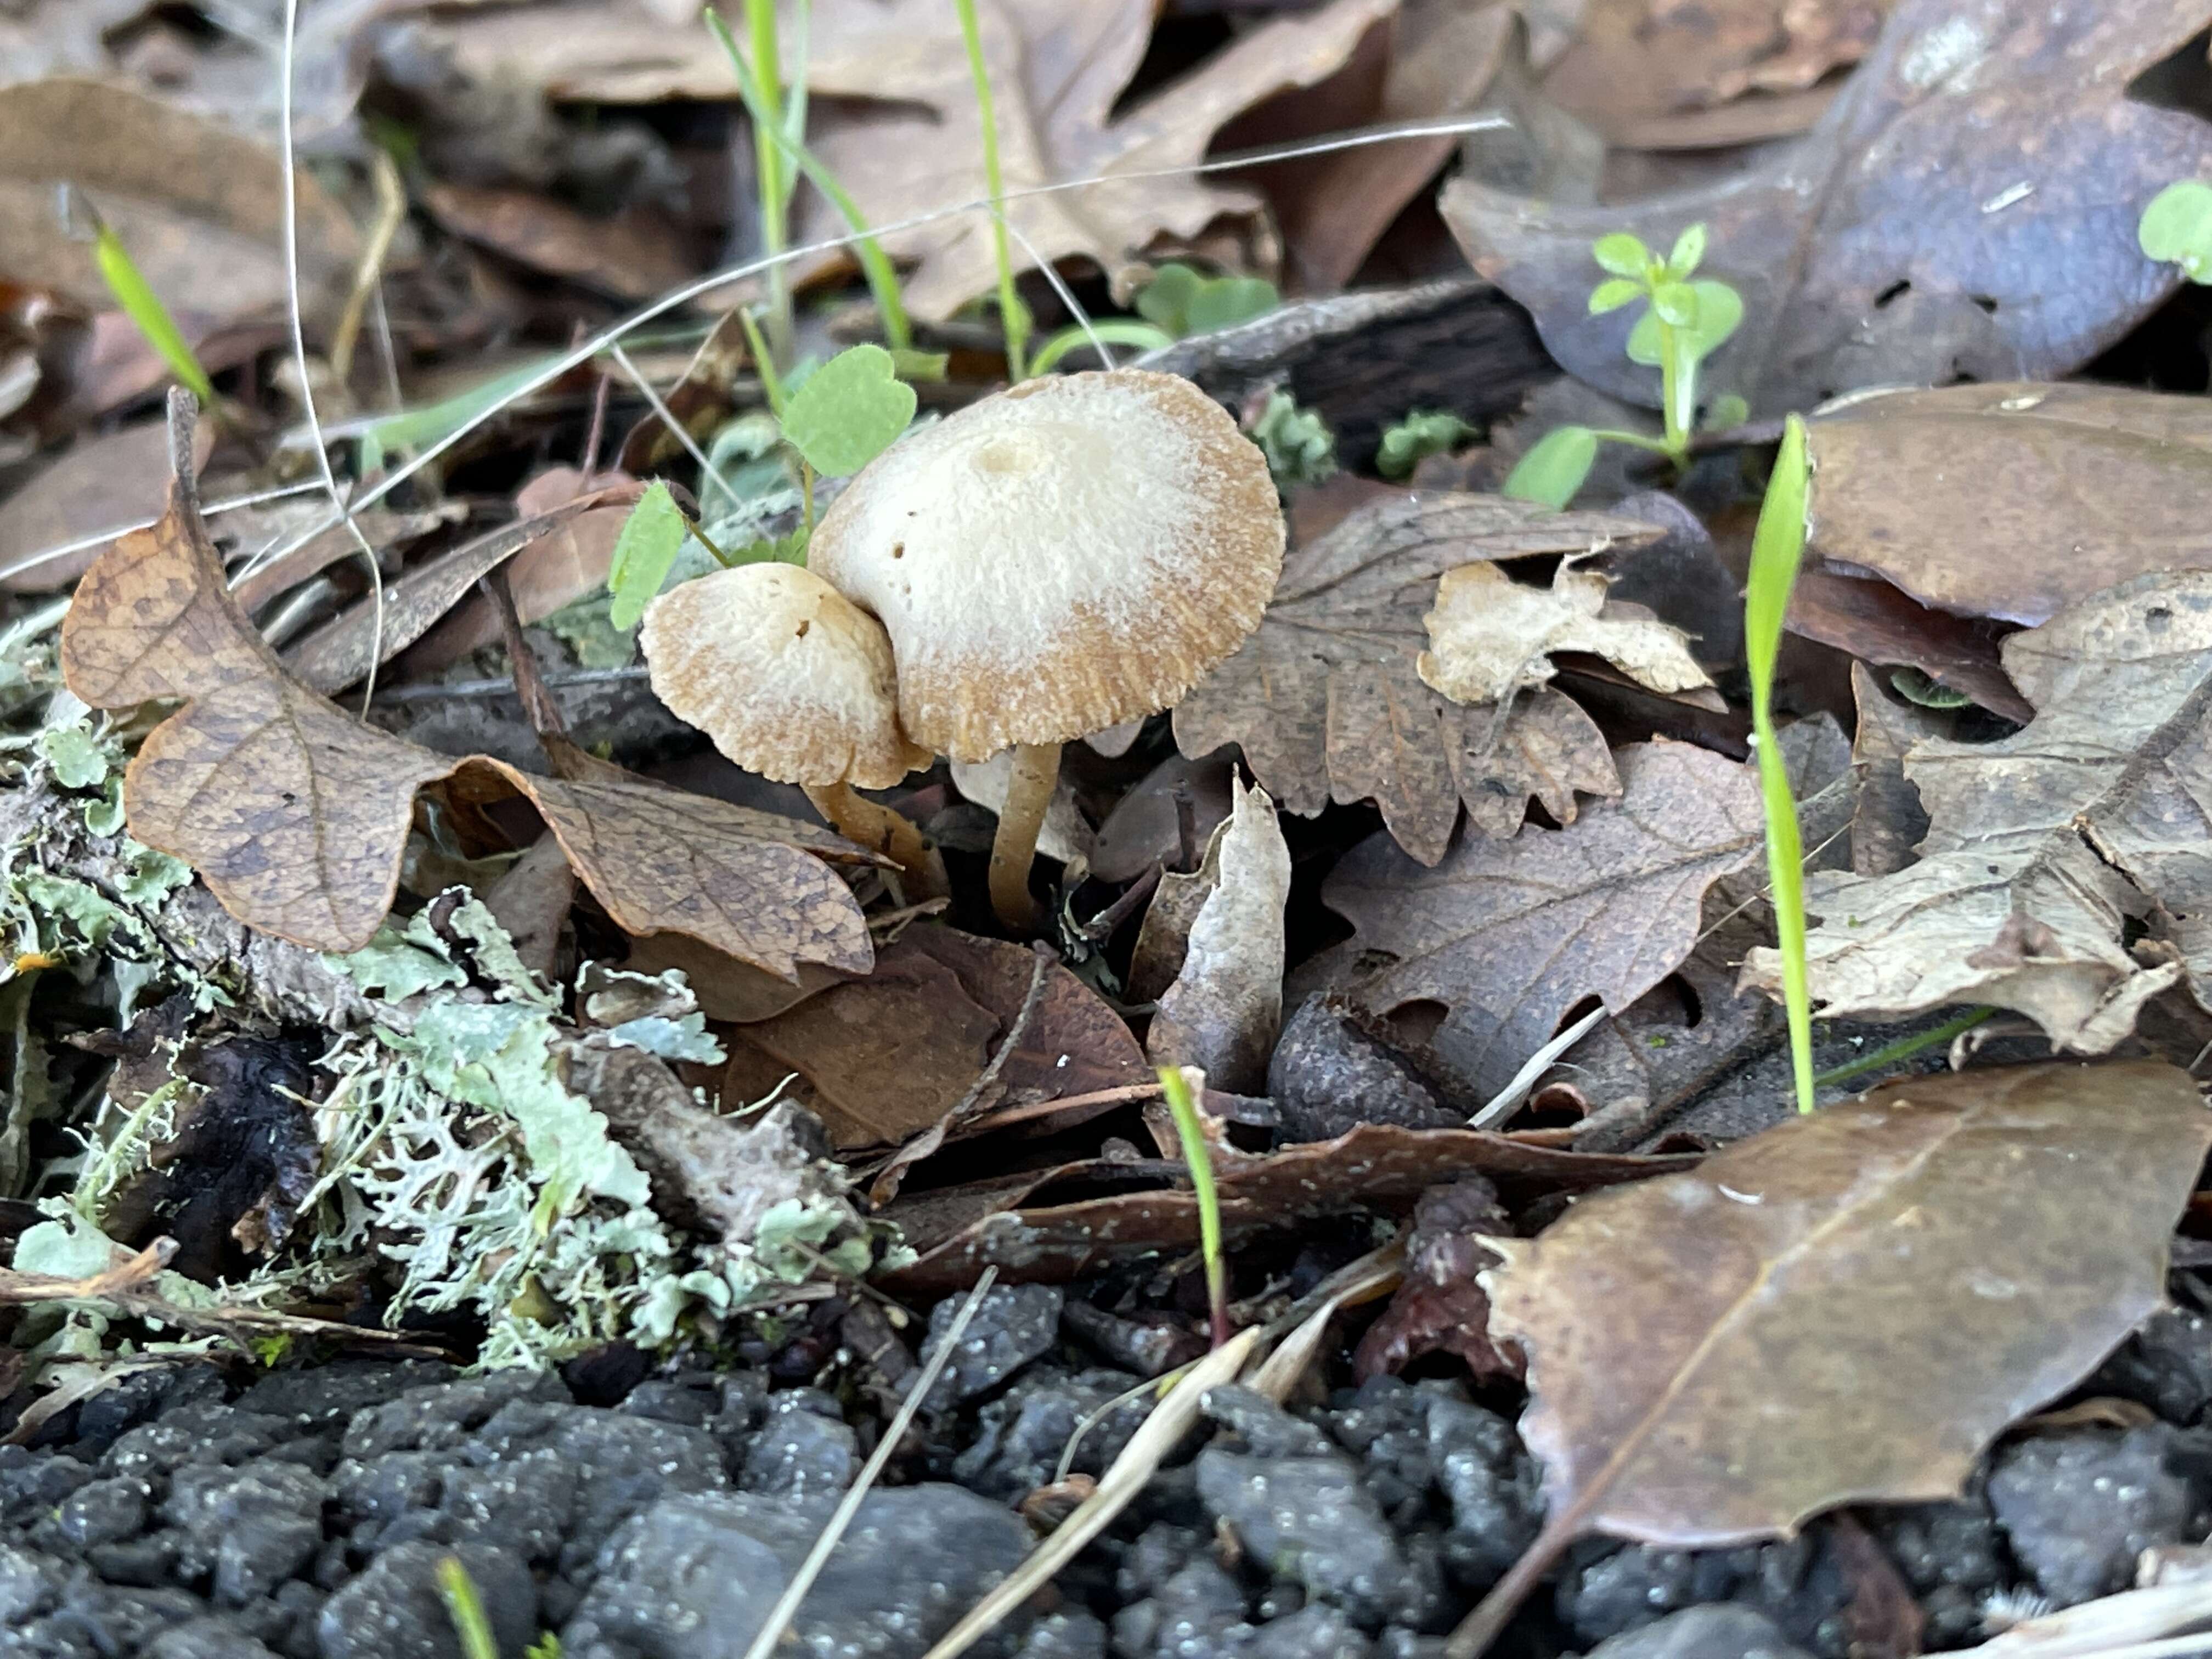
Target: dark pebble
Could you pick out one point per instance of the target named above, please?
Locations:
(1718, 1632)
(1015, 1324)
(394, 1610)
(2078, 1505)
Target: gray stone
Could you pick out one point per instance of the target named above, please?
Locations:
(1493, 1486)
(104, 1511)
(206, 1639)
(1310, 1519)
(1717, 1631)
(693, 1578)
(1314, 1633)
(1021, 1436)
(252, 1527)
(1015, 1324)
(394, 1610)
(1072, 1634)
(2080, 1504)
(439, 1415)
(798, 1452)
(29, 1584)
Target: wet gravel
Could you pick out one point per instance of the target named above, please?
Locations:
(178, 1517)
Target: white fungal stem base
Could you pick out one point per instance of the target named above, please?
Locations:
(879, 829)
(1013, 850)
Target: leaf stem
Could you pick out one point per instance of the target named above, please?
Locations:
(1012, 319)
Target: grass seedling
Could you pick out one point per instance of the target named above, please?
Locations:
(1013, 316)
(1192, 1133)
(1688, 319)
(465, 1608)
(1903, 1048)
(1776, 549)
(776, 180)
(144, 308)
(789, 136)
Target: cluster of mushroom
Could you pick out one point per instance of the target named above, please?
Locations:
(1058, 559)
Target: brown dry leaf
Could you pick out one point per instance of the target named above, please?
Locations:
(338, 653)
(1888, 818)
(1439, 1306)
(198, 205)
(2047, 848)
(1225, 1008)
(1333, 208)
(1378, 1165)
(1869, 619)
(296, 816)
(1845, 1308)
(1909, 237)
(885, 1057)
(1491, 636)
(1636, 63)
(1056, 70)
(635, 255)
(1326, 700)
(2011, 501)
(1509, 935)
(94, 485)
(910, 140)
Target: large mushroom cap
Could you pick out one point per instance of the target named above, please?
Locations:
(1058, 558)
(788, 677)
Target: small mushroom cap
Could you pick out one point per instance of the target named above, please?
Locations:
(1057, 559)
(788, 677)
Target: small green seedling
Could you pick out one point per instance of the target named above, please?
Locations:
(1192, 1133)
(644, 553)
(1688, 319)
(144, 308)
(1422, 433)
(1776, 547)
(1185, 301)
(1297, 443)
(2177, 227)
(849, 411)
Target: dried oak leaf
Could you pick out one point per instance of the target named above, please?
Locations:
(1056, 70)
(1845, 1308)
(1950, 493)
(2044, 847)
(1491, 636)
(296, 816)
(1375, 1166)
(1636, 63)
(1912, 235)
(1327, 702)
(1509, 935)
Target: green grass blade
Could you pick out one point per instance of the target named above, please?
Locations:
(414, 430)
(1776, 550)
(465, 1608)
(144, 308)
(1013, 316)
(1114, 331)
(1192, 1133)
(875, 263)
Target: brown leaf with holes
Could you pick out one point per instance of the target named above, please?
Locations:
(1847, 1308)
(1910, 236)
(1509, 935)
(1377, 1166)
(296, 816)
(1327, 698)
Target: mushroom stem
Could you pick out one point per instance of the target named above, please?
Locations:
(1014, 850)
(879, 829)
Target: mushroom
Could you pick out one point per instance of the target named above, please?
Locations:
(1051, 561)
(793, 681)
